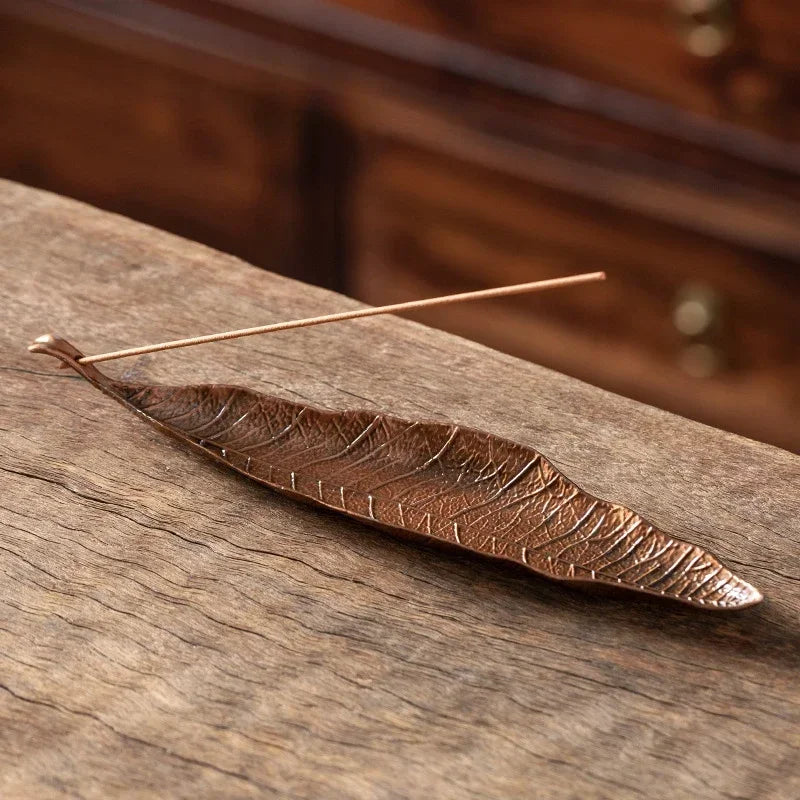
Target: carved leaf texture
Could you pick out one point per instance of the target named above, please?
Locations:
(458, 485)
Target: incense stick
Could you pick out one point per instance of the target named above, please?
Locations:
(482, 294)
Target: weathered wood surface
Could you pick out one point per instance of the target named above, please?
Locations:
(169, 629)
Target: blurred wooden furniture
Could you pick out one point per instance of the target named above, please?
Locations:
(169, 629)
(402, 149)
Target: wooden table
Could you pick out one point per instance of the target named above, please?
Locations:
(168, 629)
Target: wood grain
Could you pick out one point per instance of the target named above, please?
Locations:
(168, 629)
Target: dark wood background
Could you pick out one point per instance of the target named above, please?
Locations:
(396, 150)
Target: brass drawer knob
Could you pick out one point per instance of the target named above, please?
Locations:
(697, 310)
(697, 315)
(706, 27)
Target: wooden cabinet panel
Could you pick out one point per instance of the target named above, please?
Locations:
(341, 143)
(724, 58)
(153, 141)
(428, 224)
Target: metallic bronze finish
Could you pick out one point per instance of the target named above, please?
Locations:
(455, 485)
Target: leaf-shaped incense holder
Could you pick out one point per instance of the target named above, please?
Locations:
(443, 482)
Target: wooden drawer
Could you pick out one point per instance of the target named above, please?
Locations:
(152, 141)
(429, 225)
(735, 60)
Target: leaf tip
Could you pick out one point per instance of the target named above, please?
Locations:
(747, 595)
(741, 594)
